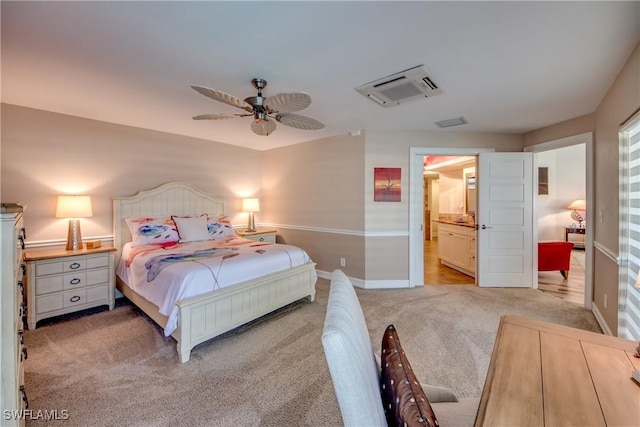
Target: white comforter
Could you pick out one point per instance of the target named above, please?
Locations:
(166, 275)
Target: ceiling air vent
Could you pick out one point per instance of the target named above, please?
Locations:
(400, 87)
(456, 121)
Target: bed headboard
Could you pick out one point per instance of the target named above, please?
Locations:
(172, 198)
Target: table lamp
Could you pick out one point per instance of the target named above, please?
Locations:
(74, 207)
(578, 208)
(251, 205)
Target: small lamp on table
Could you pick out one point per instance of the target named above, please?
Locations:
(74, 207)
(251, 205)
(578, 210)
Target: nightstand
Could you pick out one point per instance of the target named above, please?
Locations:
(267, 235)
(61, 281)
(575, 230)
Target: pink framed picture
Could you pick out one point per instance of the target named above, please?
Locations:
(386, 184)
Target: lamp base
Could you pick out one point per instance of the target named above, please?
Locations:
(74, 236)
(252, 225)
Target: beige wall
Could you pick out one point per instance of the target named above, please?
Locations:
(620, 102)
(46, 154)
(387, 223)
(622, 99)
(319, 195)
(314, 194)
(575, 126)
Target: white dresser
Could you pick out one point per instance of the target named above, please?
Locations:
(61, 281)
(13, 398)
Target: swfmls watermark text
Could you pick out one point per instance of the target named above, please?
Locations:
(40, 414)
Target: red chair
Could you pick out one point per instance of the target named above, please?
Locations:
(553, 256)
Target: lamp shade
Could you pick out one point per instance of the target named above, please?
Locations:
(250, 205)
(578, 205)
(74, 207)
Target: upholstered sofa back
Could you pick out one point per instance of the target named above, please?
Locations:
(350, 358)
(355, 373)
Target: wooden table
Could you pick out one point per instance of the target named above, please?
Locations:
(543, 374)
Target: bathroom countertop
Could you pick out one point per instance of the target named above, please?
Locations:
(460, 223)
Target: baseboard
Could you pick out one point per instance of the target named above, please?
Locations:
(600, 320)
(369, 284)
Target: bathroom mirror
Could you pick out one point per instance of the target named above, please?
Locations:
(470, 192)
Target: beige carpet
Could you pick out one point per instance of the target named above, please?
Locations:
(117, 369)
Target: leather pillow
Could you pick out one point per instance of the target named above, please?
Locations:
(405, 403)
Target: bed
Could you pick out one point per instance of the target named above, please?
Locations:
(202, 317)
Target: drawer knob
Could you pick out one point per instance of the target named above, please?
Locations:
(74, 266)
(74, 298)
(262, 239)
(74, 281)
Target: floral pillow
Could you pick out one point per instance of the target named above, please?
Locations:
(219, 227)
(145, 231)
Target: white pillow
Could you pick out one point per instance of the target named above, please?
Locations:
(192, 229)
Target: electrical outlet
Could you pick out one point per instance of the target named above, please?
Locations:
(600, 215)
(605, 300)
(343, 262)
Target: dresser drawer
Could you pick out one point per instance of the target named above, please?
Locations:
(72, 298)
(97, 293)
(266, 238)
(61, 300)
(47, 268)
(95, 277)
(98, 261)
(49, 284)
(49, 303)
(74, 280)
(46, 285)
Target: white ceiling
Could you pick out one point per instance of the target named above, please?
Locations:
(505, 66)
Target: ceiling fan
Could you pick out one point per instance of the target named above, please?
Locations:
(265, 111)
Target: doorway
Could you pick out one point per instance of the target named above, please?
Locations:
(416, 202)
(449, 201)
(587, 140)
(565, 190)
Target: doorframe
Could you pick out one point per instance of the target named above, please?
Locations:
(587, 139)
(416, 200)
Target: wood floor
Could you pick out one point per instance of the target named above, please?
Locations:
(437, 274)
(570, 289)
(551, 282)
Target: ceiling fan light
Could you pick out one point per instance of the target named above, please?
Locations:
(263, 127)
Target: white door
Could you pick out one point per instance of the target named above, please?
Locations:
(505, 220)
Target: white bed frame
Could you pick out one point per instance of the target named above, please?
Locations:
(208, 315)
